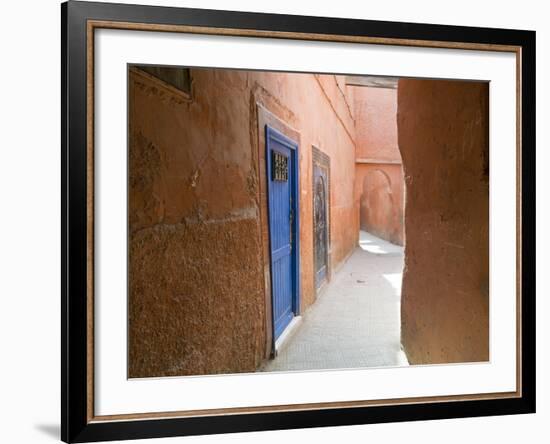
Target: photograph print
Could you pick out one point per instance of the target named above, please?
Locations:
(289, 221)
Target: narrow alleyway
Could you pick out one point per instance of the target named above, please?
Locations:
(355, 321)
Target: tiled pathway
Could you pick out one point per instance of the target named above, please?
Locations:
(355, 322)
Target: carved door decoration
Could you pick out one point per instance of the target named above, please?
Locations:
(320, 216)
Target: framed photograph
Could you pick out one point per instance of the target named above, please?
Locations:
(275, 221)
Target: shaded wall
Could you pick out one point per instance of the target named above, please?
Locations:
(380, 191)
(443, 137)
(192, 205)
(379, 187)
(197, 246)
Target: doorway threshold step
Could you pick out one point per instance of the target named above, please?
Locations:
(287, 333)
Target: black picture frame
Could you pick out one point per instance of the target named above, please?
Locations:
(76, 424)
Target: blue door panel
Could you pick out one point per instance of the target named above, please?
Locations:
(282, 177)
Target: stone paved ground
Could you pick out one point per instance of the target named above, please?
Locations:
(355, 322)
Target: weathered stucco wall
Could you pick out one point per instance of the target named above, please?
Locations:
(379, 186)
(197, 286)
(443, 137)
(319, 108)
(192, 206)
(376, 111)
(379, 189)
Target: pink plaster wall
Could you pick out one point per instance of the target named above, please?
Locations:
(379, 186)
(196, 234)
(380, 194)
(375, 114)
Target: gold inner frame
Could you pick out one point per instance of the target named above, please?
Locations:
(97, 24)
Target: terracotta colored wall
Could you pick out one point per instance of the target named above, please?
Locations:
(443, 137)
(197, 277)
(379, 187)
(376, 110)
(380, 193)
(192, 205)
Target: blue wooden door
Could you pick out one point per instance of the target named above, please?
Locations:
(282, 177)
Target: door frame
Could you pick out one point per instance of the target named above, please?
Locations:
(272, 133)
(322, 160)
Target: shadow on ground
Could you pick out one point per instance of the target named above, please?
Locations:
(356, 321)
(51, 430)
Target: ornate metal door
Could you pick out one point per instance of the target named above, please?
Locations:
(320, 223)
(282, 177)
